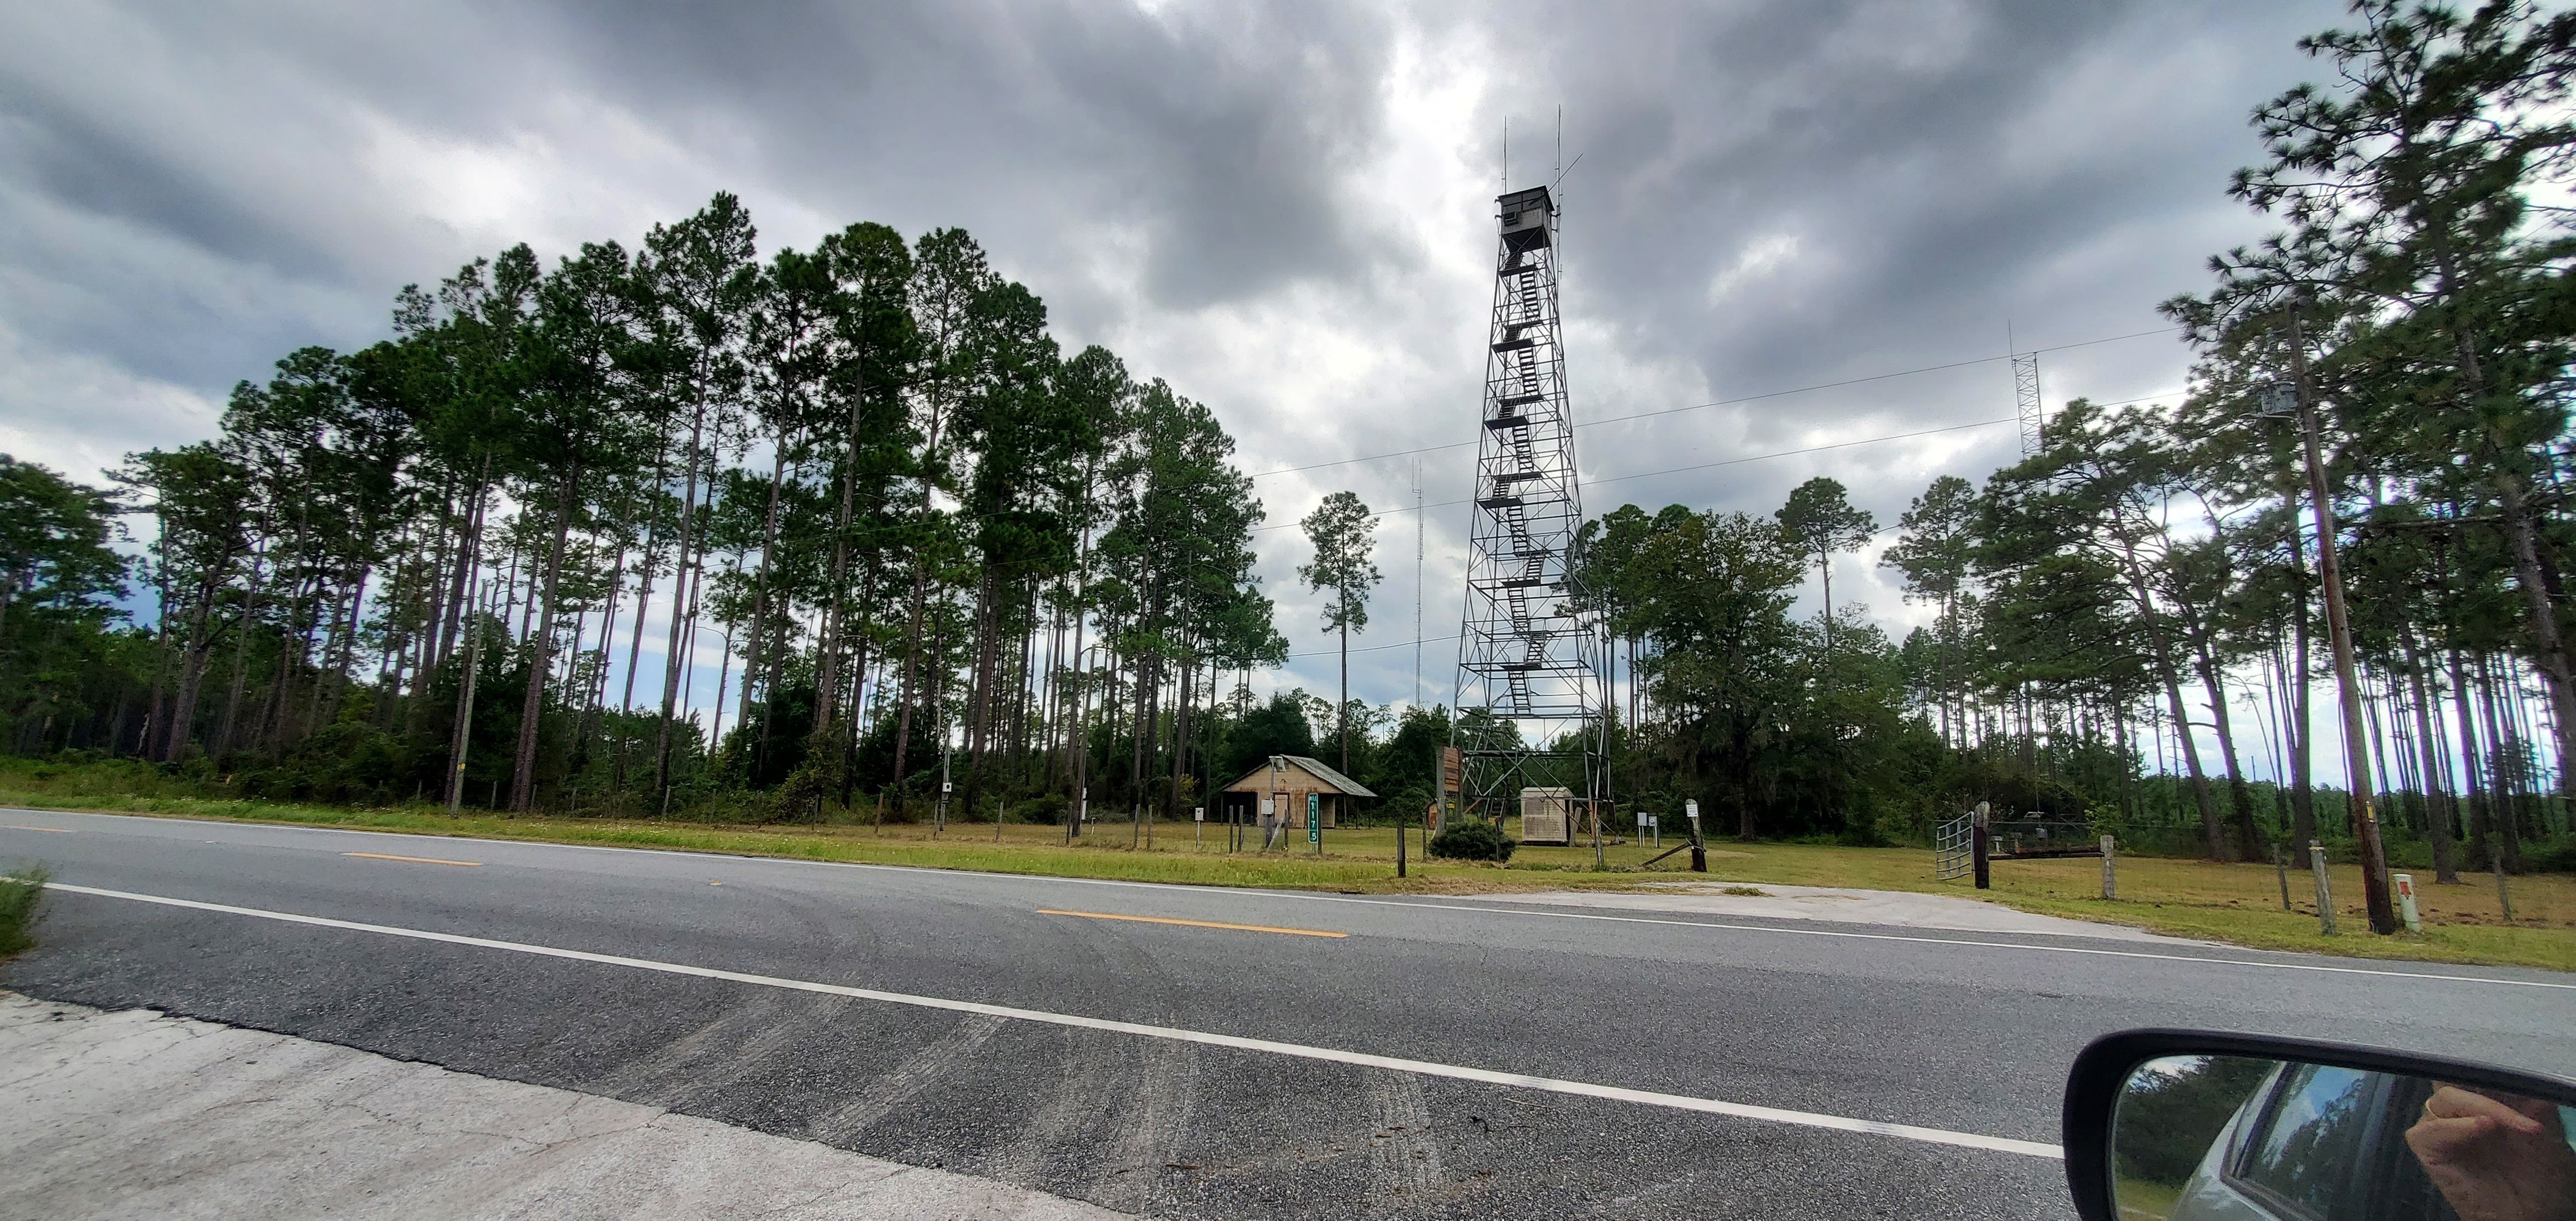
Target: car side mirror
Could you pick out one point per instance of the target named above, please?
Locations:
(2178, 1125)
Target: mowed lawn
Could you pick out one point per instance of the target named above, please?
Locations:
(2238, 904)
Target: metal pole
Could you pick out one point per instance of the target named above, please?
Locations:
(939, 818)
(2495, 857)
(1699, 847)
(2374, 857)
(2325, 891)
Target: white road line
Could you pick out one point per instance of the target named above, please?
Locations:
(1308, 897)
(1681, 1102)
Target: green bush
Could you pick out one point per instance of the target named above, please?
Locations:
(1473, 839)
(22, 894)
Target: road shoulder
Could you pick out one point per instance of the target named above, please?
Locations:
(139, 1114)
(1841, 905)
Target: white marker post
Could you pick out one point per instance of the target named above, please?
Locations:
(2406, 902)
(1198, 824)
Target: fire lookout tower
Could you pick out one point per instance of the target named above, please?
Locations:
(1531, 698)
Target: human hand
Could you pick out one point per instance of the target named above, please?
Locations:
(2496, 1158)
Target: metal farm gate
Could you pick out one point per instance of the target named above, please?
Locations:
(1953, 847)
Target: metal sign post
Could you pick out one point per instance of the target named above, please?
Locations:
(1315, 821)
(1198, 824)
(1699, 847)
(939, 818)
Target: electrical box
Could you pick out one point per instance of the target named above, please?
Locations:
(1547, 816)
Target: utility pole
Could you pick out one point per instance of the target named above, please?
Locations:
(2374, 857)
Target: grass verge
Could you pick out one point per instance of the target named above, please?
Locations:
(2236, 904)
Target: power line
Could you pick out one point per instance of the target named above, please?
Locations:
(1786, 453)
(1377, 648)
(1809, 450)
(1750, 398)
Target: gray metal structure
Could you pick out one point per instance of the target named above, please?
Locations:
(1951, 844)
(2034, 437)
(1529, 653)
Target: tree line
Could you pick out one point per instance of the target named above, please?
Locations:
(925, 550)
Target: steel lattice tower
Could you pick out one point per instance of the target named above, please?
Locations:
(1528, 652)
(2026, 396)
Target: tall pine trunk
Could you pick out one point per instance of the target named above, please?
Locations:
(532, 704)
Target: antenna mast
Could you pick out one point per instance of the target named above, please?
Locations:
(2034, 412)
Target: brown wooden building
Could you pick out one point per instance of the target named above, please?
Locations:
(1290, 778)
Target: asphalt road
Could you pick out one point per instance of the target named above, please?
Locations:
(1250, 1076)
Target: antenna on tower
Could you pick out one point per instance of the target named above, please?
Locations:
(1507, 154)
(1417, 580)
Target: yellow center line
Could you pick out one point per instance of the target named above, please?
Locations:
(1241, 928)
(416, 860)
(48, 830)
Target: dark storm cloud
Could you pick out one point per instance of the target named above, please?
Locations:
(1285, 209)
(1220, 135)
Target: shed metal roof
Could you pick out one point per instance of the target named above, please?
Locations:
(1341, 783)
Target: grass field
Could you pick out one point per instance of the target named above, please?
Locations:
(2240, 904)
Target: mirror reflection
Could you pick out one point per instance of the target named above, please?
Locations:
(2222, 1138)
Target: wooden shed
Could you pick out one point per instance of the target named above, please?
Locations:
(1289, 778)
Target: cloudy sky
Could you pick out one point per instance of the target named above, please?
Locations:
(1286, 211)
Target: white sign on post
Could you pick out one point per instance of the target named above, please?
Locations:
(1690, 810)
(1198, 813)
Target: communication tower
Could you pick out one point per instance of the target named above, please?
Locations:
(2034, 417)
(1530, 700)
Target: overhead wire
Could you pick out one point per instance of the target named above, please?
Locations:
(1750, 398)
